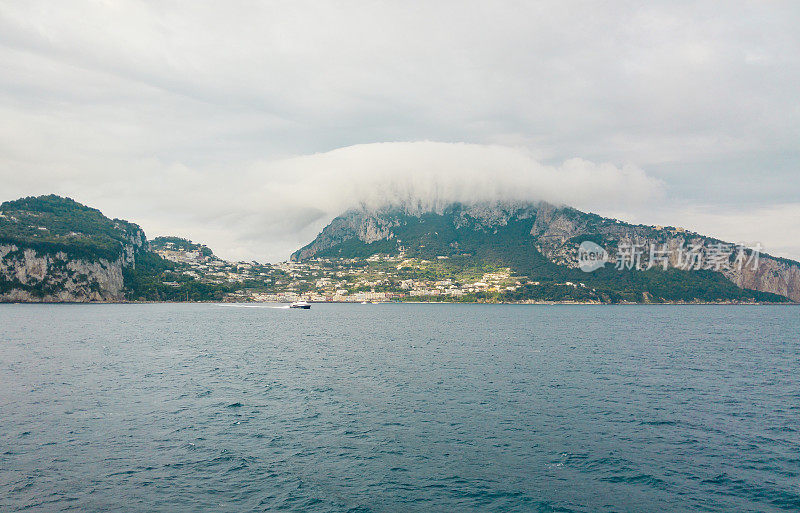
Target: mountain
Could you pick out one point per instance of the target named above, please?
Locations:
(55, 249)
(541, 242)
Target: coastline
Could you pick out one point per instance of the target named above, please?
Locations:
(526, 303)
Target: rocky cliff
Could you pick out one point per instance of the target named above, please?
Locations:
(54, 249)
(557, 230)
(31, 276)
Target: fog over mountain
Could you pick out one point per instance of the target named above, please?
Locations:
(307, 192)
(248, 126)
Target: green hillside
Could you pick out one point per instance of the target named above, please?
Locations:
(157, 279)
(179, 244)
(51, 224)
(468, 244)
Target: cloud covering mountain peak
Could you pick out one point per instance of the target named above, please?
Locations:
(432, 174)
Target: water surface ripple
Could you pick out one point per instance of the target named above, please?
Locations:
(201, 407)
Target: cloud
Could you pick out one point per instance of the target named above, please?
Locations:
(306, 191)
(246, 124)
(771, 227)
(272, 207)
(433, 174)
(648, 83)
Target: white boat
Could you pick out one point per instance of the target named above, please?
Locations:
(300, 304)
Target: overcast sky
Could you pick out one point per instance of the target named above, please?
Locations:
(249, 125)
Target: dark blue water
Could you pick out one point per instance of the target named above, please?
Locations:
(399, 408)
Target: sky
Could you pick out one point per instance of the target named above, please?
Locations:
(248, 125)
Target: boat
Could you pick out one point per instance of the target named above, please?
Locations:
(300, 304)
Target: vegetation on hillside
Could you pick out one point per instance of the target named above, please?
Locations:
(50, 224)
(428, 255)
(434, 237)
(179, 244)
(156, 279)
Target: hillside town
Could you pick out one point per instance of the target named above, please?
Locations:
(379, 278)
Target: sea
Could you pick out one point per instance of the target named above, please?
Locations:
(399, 407)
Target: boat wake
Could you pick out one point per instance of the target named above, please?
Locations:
(240, 305)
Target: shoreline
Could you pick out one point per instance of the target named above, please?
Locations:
(498, 303)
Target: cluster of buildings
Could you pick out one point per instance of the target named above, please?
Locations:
(375, 279)
(207, 267)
